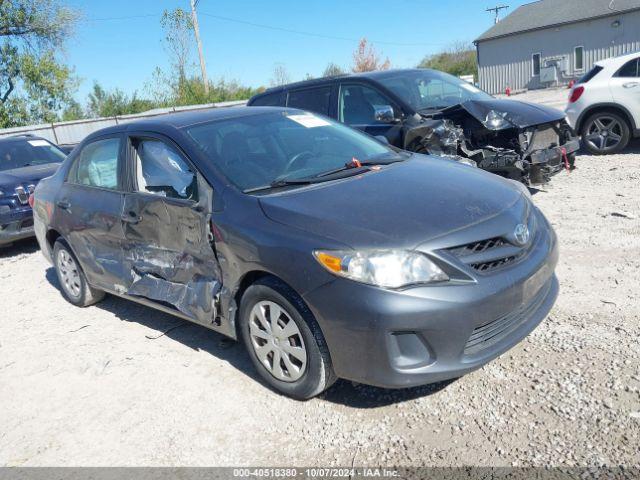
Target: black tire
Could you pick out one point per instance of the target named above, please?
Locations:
(604, 145)
(318, 374)
(81, 294)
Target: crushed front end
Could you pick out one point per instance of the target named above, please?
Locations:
(502, 137)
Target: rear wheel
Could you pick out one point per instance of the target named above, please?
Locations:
(284, 341)
(71, 277)
(605, 133)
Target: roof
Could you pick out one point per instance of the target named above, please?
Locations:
(17, 138)
(187, 119)
(320, 81)
(550, 13)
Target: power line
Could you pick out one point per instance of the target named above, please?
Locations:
(275, 28)
(106, 19)
(313, 34)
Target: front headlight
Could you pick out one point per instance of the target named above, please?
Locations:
(383, 268)
(497, 120)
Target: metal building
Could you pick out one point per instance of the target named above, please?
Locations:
(551, 42)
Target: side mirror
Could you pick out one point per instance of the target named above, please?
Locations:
(384, 114)
(382, 139)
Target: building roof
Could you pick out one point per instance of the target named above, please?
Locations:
(550, 13)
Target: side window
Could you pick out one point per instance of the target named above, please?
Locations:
(629, 70)
(535, 64)
(161, 170)
(97, 164)
(312, 99)
(362, 105)
(270, 100)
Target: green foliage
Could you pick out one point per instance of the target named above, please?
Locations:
(332, 70)
(34, 84)
(459, 59)
(102, 103)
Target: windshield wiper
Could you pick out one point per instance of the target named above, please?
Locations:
(278, 183)
(353, 165)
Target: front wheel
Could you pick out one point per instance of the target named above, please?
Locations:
(71, 277)
(284, 341)
(604, 133)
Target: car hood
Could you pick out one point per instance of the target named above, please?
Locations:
(10, 179)
(520, 114)
(400, 206)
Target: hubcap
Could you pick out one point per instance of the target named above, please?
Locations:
(277, 341)
(604, 133)
(69, 275)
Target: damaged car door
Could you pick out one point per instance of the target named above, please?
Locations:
(88, 210)
(168, 255)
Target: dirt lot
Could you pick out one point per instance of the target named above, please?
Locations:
(95, 387)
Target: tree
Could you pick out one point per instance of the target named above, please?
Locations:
(103, 103)
(34, 84)
(458, 59)
(280, 75)
(178, 28)
(367, 59)
(332, 70)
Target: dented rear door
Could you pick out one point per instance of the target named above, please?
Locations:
(168, 254)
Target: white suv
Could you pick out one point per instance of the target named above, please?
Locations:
(604, 105)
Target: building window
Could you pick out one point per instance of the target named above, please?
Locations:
(535, 64)
(578, 58)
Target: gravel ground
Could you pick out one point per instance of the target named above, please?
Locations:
(551, 97)
(95, 387)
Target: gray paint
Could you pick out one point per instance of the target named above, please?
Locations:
(425, 204)
(507, 61)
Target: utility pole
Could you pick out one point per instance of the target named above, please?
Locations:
(196, 29)
(496, 11)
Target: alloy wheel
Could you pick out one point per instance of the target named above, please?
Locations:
(277, 341)
(604, 133)
(69, 274)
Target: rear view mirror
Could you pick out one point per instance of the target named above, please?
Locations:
(384, 114)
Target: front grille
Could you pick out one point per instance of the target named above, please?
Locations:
(493, 265)
(544, 137)
(485, 256)
(493, 332)
(477, 247)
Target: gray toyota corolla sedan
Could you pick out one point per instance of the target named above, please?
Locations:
(328, 253)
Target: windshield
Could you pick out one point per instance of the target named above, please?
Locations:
(431, 90)
(257, 150)
(25, 153)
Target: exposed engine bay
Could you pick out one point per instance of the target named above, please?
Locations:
(502, 137)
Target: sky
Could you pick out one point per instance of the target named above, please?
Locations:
(119, 43)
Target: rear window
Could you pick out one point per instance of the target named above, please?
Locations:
(28, 152)
(311, 99)
(270, 100)
(590, 74)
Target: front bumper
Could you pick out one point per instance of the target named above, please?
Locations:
(549, 162)
(398, 339)
(15, 224)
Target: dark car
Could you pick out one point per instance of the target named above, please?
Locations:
(327, 252)
(24, 161)
(427, 111)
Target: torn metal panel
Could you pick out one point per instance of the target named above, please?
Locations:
(169, 256)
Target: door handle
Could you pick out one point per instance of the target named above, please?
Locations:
(131, 217)
(63, 204)
(630, 84)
